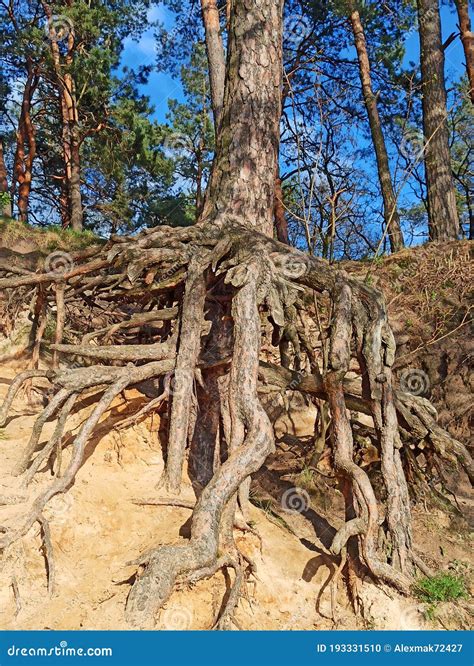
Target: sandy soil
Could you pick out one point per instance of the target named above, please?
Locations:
(98, 528)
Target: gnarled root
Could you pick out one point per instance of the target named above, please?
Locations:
(253, 434)
(365, 525)
(185, 318)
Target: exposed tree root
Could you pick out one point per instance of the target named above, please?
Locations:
(204, 358)
(48, 553)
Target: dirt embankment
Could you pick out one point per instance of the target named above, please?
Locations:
(430, 299)
(103, 522)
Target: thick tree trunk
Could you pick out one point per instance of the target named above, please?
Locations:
(73, 217)
(442, 212)
(217, 71)
(241, 192)
(6, 208)
(391, 216)
(467, 38)
(23, 166)
(242, 183)
(215, 56)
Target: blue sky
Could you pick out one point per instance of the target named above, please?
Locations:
(162, 87)
(454, 55)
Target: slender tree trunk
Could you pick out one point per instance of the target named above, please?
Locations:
(467, 38)
(70, 132)
(199, 174)
(281, 224)
(471, 213)
(24, 158)
(5, 209)
(215, 56)
(73, 120)
(391, 216)
(442, 212)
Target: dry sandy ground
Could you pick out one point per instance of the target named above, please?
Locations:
(97, 528)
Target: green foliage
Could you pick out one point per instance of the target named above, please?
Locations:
(442, 587)
(189, 139)
(137, 172)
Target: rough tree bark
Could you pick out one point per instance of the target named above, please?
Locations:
(391, 216)
(242, 179)
(215, 57)
(281, 223)
(443, 220)
(217, 71)
(73, 215)
(6, 208)
(467, 38)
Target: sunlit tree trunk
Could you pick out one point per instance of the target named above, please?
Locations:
(215, 56)
(467, 38)
(391, 216)
(25, 152)
(70, 130)
(243, 174)
(442, 212)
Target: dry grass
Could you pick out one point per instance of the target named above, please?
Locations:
(44, 239)
(428, 289)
